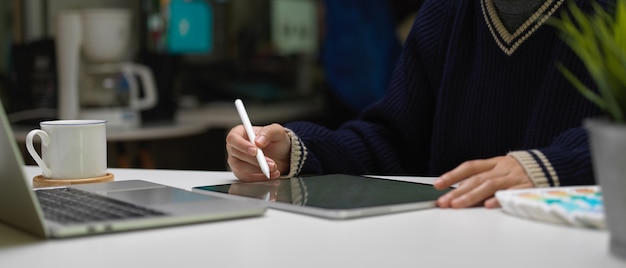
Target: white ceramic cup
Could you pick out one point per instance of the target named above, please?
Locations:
(70, 149)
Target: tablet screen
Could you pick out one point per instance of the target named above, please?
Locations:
(335, 191)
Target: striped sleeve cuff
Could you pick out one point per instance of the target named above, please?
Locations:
(537, 167)
(297, 157)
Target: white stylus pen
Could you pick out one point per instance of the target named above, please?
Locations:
(260, 157)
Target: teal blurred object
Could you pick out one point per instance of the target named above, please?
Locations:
(190, 27)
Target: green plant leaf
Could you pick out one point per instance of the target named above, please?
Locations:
(584, 90)
(599, 40)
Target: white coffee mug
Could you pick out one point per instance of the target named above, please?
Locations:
(70, 149)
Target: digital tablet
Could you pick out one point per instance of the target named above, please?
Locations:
(334, 196)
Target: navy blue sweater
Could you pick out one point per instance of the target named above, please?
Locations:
(464, 90)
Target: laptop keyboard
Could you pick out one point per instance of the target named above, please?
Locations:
(68, 206)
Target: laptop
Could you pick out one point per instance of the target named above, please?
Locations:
(126, 205)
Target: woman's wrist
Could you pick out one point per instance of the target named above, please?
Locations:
(536, 165)
(297, 155)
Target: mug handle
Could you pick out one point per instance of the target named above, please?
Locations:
(45, 139)
(148, 84)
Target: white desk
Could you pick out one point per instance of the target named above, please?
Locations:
(474, 237)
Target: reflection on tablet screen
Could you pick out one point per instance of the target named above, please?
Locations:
(334, 191)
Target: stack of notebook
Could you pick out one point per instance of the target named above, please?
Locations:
(579, 206)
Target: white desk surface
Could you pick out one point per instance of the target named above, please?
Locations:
(475, 237)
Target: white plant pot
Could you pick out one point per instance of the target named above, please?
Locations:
(608, 150)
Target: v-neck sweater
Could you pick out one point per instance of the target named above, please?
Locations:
(462, 91)
(513, 13)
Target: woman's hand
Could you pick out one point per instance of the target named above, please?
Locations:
(479, 180)
(274, 142)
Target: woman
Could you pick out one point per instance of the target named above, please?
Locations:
(475, 99)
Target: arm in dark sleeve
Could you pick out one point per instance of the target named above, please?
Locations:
(391, 136)
(567, 161)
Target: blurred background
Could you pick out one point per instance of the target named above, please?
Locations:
(330, 57)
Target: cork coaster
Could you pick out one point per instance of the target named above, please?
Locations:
(41, 181)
